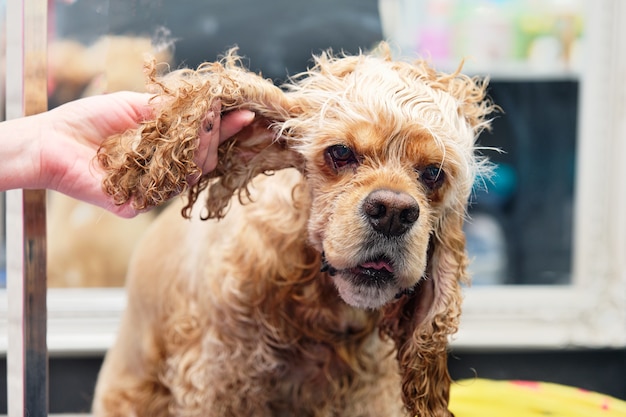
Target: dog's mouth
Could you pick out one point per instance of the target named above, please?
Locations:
(376, 272)
(374, 279)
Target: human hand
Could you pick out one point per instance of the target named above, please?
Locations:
(71, 134)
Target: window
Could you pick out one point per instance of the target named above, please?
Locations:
(564, 282)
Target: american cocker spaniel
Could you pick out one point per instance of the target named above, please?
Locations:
(329, 286)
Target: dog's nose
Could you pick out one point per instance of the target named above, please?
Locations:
(389, 212)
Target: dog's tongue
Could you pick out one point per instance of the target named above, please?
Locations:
(377, 265)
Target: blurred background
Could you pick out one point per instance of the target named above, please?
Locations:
(523, 233)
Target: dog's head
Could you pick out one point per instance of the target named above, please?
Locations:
(388, 151)
(387, 148)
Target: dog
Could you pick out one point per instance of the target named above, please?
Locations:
(329, 286)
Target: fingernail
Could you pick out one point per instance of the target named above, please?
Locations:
(209, 122)
(248, 116)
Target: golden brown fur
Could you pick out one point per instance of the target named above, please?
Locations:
(330, 289)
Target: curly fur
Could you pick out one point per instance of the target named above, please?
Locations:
(304, 298)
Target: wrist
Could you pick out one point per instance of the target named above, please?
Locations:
(20, 144)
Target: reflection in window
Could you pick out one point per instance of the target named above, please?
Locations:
(97, 47)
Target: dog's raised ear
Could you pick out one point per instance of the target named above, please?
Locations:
(421, 323)
(259, 148)
(155, 162)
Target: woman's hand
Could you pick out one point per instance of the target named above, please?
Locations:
(57, 149)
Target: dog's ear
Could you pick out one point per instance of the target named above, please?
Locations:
(259, 148)
(155, 162)
(421, 323)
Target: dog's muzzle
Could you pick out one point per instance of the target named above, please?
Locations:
(376, 273)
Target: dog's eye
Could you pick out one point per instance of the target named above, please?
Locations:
(340, 156)
(432, 176)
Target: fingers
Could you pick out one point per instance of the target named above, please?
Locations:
(206, 155)
(215, 130)
(143, 106)
(125, 211)
(211, 159)
(233, 122)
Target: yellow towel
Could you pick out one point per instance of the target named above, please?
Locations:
(487, 398)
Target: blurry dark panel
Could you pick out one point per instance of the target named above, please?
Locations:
(537, 132)
(277, 36)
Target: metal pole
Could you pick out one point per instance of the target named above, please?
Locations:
(26, 89)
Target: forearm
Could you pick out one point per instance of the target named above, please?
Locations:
(20, 165)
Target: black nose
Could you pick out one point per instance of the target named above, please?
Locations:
(390, 212)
